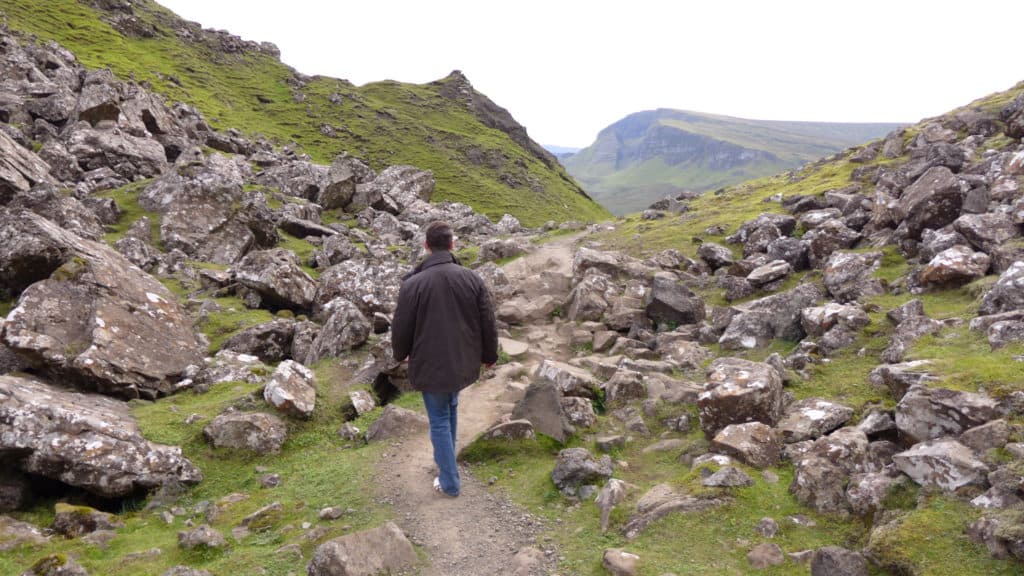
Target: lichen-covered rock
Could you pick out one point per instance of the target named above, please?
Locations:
(929, 413)
(372, 287)
(84, 440)
(836, 561)
(739, 391)
(292, 389)
(254, 431)
(955, 266)
(850, 276)
(270, 341)
(20, 169)
(94, 320)
(384, 549)
(569, 380)
(1003, 533)
(811, 418)
(625, 385)
(345, 329)
(775, 316)
(1007, 294)
(14, 534)
(932, 201)
(827, 239)
(276, 277)
(75, 521)
(944, 463)
(511, 430)
(715, 255)
(56, 565)
(203, 536)
(753, 443)
(576, 467)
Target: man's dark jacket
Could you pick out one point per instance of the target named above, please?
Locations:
(444, 323)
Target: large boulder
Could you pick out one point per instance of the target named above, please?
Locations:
(270, 341)
(775, 316)
(932, 201)
(84, 440)
(929, 413)
(345, 329)
(299, 178)
(569, 380)
(96, 320)
(20, 169)
(277, 278)
(715, 255)
(849, 276)
(753, 443)
(588, 299)
(943, 463)
(202, 212)
(396, 422)
(836, 561)
(576, 467)
(65, 211)
(811, 418)
(127, 155)
(541, 406)
(988, 231)
(955, 266)
(829, 238)
(1007, 294)
(253, 431)
(384, 549)
(372, 287)
(292, 389)
(739, 391)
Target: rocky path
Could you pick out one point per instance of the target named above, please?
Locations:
(480, 532)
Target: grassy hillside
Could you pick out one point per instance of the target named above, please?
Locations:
(385, 123)
(651, 154)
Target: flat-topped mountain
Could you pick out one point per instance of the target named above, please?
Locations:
(656, 153)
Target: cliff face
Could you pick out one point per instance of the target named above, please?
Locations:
(478, 153)
(647, 155)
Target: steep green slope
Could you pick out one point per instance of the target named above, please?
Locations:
(479, 155)
(648, 155)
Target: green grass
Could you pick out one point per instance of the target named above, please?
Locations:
(303, 251)
(931, 540)
(232, 318)
(316, 467)
(127, 199)
(385, 123)
(6, 306)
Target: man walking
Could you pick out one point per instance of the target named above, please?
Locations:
(444, 324)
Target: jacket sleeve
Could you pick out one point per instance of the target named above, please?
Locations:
(403, 323)
(488, 327)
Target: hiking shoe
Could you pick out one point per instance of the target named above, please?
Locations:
(439, 490)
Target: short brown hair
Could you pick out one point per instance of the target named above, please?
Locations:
(439, 236)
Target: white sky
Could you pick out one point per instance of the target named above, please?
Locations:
(566, 69)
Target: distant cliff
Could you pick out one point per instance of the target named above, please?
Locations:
(655, 153)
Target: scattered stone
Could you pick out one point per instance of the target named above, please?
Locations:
(620, 563)
(541, 407)
(836, 561)
(767, 527)
(928, 413)
(366, 553)
(753, 443)
(56, 565)
(511, 430)
(765, 555)
(811, 418)
(944, 463)
(569, 380)
(75, 521)
(396, 422)
(202, 537)
(739, 391)
(255, 431)
(576, 467)
(332, 513)
(727, 477)
(292, 389)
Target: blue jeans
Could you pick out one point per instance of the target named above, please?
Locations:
(443, 411)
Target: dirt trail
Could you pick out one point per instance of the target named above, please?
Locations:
(479, 532)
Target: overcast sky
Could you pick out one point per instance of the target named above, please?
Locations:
(567, 69)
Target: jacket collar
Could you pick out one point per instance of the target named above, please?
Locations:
(435, 259)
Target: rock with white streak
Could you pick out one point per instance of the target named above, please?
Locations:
(944, 463)
(292, 389)
(84, 440)
(739, 391)
(810, 418)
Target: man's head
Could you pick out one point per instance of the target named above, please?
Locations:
(439, 237)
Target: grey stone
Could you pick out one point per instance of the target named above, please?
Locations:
(254, 431)
(366, 553)
(739, 391)
(943, 463)
(84, 440)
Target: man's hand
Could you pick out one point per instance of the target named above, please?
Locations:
(488, 366)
